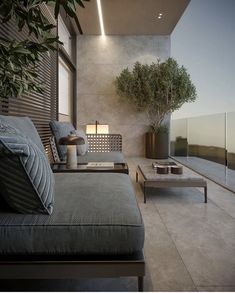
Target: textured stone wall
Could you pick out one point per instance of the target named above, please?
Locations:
(100, 60)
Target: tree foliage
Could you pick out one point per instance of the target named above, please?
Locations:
(158, 89)
(19, 59)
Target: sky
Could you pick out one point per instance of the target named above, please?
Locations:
(204, 42)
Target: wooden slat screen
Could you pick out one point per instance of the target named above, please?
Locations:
(41, 108)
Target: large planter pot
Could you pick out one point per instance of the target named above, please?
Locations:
(157, 145)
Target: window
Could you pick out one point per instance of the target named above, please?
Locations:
(67, 71)
(65, 36)
(65, 91)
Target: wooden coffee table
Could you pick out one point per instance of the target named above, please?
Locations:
(146, 175)
(61, 168)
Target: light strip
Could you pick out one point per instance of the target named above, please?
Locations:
(100, 17)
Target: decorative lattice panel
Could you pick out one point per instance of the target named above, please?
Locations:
(52, 151)
(104, 143)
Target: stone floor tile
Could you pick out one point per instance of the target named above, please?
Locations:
(204, 234)
(216, 289)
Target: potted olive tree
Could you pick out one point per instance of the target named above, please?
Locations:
(157, 89)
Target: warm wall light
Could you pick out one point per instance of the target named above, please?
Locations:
(100, 17)
(97, 128)
(90, 129)
(102, 129)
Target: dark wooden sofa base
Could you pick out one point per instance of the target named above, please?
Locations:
(72, 269)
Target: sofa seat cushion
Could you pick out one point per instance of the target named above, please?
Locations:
(116, 157)
(94, 214)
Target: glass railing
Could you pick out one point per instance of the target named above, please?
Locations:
(206, 144)
(230, 140)
(179, 137)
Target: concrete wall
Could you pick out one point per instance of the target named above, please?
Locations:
(100, 60)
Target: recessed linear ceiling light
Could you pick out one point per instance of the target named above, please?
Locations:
(100, 17)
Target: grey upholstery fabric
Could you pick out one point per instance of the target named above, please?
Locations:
(61, 129)
(116, 157)
(95, 214)
(25, 173)
(82, 151)
(26, 126)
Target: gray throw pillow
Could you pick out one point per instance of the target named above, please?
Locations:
(82, 149)
(25, 126)
(61, 129)
(25, 173)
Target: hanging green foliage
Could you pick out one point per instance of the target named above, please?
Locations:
(19, 60)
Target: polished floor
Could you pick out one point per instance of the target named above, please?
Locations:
(214, 171)
(189, 245)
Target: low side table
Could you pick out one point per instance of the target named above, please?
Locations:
(146, 175)
(82, 167)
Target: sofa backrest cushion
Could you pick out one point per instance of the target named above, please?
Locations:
(25, 173)
(62, 129)
(26, 127)
(82, 149)
(59, 130)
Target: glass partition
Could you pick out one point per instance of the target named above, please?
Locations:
(230, 141)
(206, 144)
(178, 138)
(206, 137)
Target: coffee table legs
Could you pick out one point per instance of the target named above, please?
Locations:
(144, 193)
(144, 187)
(205, 194)
(140, 283)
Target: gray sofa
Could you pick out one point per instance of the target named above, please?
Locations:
(95, 229)
(62, 129)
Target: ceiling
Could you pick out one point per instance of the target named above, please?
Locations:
(132, 17)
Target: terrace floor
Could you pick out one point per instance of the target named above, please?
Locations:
(214, 171)
(189, 245)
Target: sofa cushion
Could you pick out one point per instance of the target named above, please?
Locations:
(62, 129)
(26, 126)
(25, 173)
(81, 148)
(95, 214)
(82, 151)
